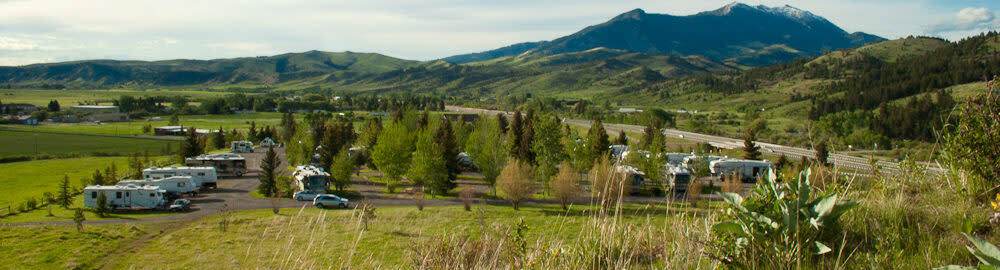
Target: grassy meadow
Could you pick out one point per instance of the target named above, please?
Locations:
(228, 122)
(27, 143)
(336, 239)
(69, 98)
(30, 179)
(62, 247)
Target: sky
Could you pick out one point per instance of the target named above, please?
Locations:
(40, 31)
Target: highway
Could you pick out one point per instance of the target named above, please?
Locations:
(847, 162)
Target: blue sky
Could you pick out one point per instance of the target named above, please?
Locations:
(36, 31)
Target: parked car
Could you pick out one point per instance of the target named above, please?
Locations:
(305, 195)
(180, 205)
(330, 200)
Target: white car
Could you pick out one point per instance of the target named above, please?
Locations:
(305, 195)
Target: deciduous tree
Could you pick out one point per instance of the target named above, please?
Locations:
(566, 185)
(393, 152)
(515, 182)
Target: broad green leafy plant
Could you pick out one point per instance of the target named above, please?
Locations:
(988, 254)
(780, 224)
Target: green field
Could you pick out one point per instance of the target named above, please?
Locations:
(227, 122)
(69, 98)
(30, 179)
(29, 144)
(62, 247)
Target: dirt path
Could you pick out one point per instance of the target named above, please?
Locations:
(139, 243)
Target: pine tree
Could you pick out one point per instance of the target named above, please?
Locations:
(219, 139)
(429, 166)
(252, 133)
(288, 127)
(268, 175)
(53, 106)
(192, 145)
(528, 129)
(515, 134)
(597, 139)
(98, 177)
(622, 138)
(502, 123)
(750, 149)
(65, 197)
(102, 204)
(444, 137)
(79, 218)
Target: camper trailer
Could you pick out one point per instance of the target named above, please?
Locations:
(311, 178)
(204, 177)
(687, 162)
(618, 151)
(676, 159)
(241, 147)
(128, 196)
(174, 185)
(267, 142)
(678, 178)
(748, 169)
(228, 164)
(633, 176)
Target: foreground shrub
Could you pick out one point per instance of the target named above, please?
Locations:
(780, 224)
(565, 186)
(515, 182)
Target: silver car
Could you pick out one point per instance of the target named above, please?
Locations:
(330, 200)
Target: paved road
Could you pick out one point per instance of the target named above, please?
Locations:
(858, 164)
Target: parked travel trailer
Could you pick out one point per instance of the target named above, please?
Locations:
(687, 161)
(678, 178)
(267, 142)
(676, 159)
(749, 170)
(228, 164)
(311, 178)
(174, 185)
(204, 177)
(128, 196)
(241, 147)
(633, 176)
(618, 151)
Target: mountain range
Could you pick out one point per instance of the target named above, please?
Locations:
(736, 33)
(655, 46)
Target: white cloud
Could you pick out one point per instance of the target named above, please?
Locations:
(965, 20)
(16, 44)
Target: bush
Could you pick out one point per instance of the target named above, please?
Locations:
(779, 224)
(608, 183)
(515, 182)
(565, 186)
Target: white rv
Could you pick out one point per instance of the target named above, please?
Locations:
(231, 164)
(677, 159)
(678, 178)
(635, 178)
(174, 186)
(204, 177)
(617, 151)
(749, 170)
(311, 178)
(241, 147)
(687, 162)
(129, 196)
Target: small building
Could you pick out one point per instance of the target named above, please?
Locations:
(107, 117)
(25, 120)
(629, 110)
(95, 109)
(179, 131)
(19, 109)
